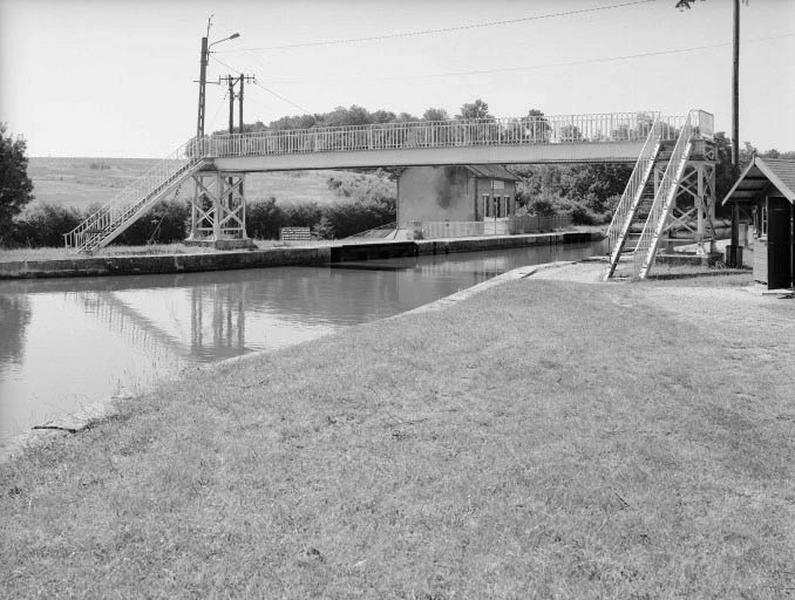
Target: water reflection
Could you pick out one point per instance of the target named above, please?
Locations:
(14, 318)
(65, 343)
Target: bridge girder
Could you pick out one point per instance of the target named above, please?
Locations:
(586, 152)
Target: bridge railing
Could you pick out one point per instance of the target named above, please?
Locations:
(566, 129)
(703, 123)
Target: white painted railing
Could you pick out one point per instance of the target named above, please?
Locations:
(703, 123)
(646, 250)
(503, 226)
(627, 206)
(567, 129)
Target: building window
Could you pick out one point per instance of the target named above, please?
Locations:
(486, 205)
(760, 220)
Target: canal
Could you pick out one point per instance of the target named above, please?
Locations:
(66, 344)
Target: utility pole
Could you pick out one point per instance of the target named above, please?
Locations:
(733, 251)
(242, 80)
(231, 81)
(203, 60)
(734, 257)
(240, 104)
(736, 87)
(202, 83)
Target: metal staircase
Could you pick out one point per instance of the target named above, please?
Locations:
(630, 201)
(114, 217)
(640, 205)
(664, 198)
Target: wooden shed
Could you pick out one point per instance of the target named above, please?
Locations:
(767, 186)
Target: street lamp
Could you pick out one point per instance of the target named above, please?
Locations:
(203, 60)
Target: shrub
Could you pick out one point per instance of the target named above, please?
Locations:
(344, 219)
(582, 215)
(166, 222)
(43, 224)
(543, 205)
(304, 214)
(264, 218)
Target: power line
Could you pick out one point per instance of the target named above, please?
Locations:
(283, 99)
(555, 65)
(270, 91)
(520, 69)
(590, 61)
(408, 34)
(217, 110)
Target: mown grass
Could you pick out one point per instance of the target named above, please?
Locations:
(542, 439)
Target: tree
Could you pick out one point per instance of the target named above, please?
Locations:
(570, 133)
(538, 128)
(435, 114)
(685, 4)
(16, 188)
(476, 110)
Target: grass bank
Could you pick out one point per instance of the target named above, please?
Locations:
(540, 439)
(49, 253)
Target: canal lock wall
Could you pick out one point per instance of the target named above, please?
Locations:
(91, 266)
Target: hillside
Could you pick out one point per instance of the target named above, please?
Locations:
(80, 182)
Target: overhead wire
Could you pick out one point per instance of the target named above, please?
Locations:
(239, 72)
(552, 65)
(437, 30)
(218, 109)
(270, 91)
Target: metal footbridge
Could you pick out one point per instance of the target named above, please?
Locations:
(217, 164)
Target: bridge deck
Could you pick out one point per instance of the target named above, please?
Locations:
(614, 137)
(612, 152)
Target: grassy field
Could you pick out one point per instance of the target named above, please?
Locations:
(80, 182)
(542, 439)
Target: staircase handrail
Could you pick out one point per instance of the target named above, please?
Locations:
(655, 222)
(135, 194)
(622, 217)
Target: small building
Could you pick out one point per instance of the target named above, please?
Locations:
(467, 193)
(766, 189)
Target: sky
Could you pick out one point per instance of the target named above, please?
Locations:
(117, 78)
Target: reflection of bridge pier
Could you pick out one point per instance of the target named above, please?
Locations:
(227, 312)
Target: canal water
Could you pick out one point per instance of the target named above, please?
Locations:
(66, 344)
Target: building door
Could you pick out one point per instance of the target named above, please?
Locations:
(779, 243)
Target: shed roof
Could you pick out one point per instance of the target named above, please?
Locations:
(492, 172)
(759, 174)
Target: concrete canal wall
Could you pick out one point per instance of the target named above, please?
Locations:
(79, 266)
